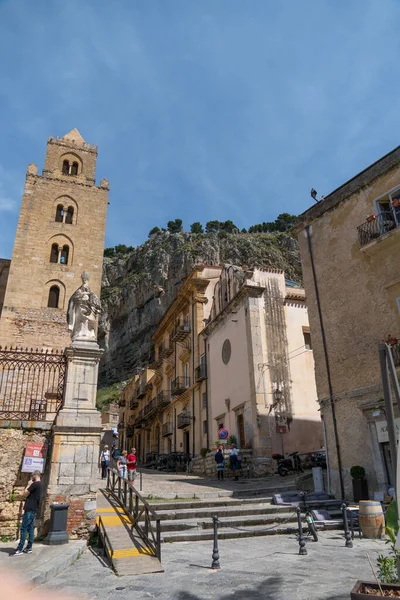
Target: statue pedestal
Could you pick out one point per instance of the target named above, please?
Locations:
(77, 431)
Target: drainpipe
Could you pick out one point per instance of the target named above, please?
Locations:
(193, 375)
(328, 474)
(327, 365)
(207, 386)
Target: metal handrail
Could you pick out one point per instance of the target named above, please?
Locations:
(129, 499)
(106, 539)
(375, 227)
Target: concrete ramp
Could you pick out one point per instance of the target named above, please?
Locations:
(123, 546)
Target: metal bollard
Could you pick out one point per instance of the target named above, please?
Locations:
(347, 534)
(140, 481)
(302, 542)
(215, 556)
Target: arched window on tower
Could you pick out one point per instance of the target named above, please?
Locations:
(54, 297)
(64, 255)
(54, 253)
(69, 214)
(60, 213)
(74, 168)
(65, 167)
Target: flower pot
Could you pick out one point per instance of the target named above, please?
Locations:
(360, 489)
(371, 218)
(396, 202)
(358, 591)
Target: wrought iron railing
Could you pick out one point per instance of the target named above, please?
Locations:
(143, 518)
(133, 404)
(201, 372)
(183, 420)
(163, 399)
(181, 331)
(179, 385)
(31, 383)
(376, 226)
(166, 429)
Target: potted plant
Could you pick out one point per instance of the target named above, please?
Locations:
(360, 484)
(371, 218)
(396, 202)
(387, 582)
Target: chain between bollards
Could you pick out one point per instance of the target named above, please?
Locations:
(302, 542)
(347, 534)
(215, 556)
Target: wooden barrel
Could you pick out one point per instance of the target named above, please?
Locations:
(372, 520)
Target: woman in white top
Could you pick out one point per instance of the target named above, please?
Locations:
(104, 461)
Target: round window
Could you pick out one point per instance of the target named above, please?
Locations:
(226, 352)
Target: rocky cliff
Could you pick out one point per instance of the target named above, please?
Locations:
(138, 287)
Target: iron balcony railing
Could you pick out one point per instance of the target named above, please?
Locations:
(375, 227)
(396, 355)
(165, 350)
(150, 407)
(181, 331)
(183, 420)
(133, 404)
(141, 390)
(179, 385)
(163, 399)
(166, 429)
(201, 372)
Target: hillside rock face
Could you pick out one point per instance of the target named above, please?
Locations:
(138, 287)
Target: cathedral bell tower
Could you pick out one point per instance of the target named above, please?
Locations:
(60, 233)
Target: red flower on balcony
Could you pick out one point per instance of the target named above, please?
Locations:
(392, 341)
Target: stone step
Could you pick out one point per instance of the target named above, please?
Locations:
(222, 511)
(226, 522)
(226, 533)
(161, 506)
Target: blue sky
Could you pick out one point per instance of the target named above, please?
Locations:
(202, 109)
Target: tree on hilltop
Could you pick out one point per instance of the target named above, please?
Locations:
(175, 226)
(196, 227)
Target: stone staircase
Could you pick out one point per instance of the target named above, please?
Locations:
(238, 517)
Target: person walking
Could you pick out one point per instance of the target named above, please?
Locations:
(104, 461)
(121, 464)
(33, 493)
(131, 462)
(233, 458)
(219, 459)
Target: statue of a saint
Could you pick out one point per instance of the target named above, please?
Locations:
(83, 309)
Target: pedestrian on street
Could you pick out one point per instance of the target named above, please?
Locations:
(233, 458)
(104, 461)
(33, 492)
(121, 464)
(131, 462)
(219, 459)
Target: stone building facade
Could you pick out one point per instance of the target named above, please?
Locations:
(165, 407)
(348, 244)
(260, 364)
(60, 233)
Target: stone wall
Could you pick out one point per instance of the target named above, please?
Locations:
(254, 467)
(12, 482)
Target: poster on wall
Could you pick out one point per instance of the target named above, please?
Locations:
(35, 457)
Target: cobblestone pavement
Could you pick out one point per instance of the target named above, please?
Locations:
(170, 485)
(251, 569)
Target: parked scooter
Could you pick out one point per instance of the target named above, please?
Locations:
(288, 465)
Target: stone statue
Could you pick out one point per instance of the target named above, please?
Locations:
(83, 309)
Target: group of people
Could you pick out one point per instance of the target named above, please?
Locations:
(234, 460)
(126, 463)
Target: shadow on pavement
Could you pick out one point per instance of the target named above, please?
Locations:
(270, 588)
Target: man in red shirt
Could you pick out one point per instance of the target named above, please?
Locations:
(131, 462)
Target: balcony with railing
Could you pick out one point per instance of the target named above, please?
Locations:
(134, 403)
(163, 399)
(201, 372)
(181, 331)
(375, 227)
(165, 350)
(183, 420)
(166, 429)
(150, 408)
(141, 390)
(180, 385)
(395, 348)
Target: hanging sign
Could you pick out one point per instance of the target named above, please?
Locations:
(223, 434)
(35, 457)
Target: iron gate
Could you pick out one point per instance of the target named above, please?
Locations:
(31, 383)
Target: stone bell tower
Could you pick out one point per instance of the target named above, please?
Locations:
(60, 233)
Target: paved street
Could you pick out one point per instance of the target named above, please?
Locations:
(170, 485)
(252, 568)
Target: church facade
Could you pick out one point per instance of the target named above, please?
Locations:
(60, 234)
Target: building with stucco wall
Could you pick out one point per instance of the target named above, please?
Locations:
(348, 244)
(260, 365)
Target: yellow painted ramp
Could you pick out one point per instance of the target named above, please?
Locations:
(127, 552)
